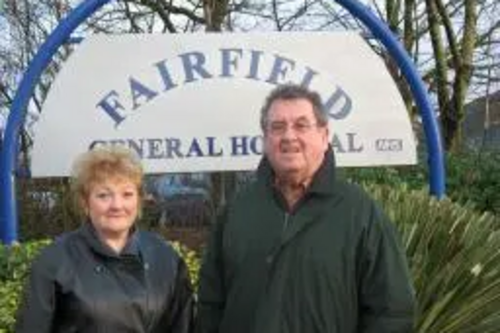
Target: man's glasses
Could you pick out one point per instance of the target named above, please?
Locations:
(279, 128)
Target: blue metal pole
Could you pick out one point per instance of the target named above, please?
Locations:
(429, 120)
(9, 153)
(1, 184)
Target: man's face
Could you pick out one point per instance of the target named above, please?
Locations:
(294, 142)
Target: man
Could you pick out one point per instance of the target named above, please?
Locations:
(300, 251)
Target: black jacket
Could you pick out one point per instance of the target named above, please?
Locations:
(77, 284)
(333, 264)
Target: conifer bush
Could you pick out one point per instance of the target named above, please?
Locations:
(454, 257)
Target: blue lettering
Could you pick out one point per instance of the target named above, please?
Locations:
(154, 148)
(173, 146)
(139, 90)
(239, 145)
(337, 145)
(137, 146)
(194, 149)
(280, 69)
(229, 62)
(334, 98)
(254, 65)
(193, 63)
(165, 75)
(351, 143)
(306, 80)
(256, 145)
(211, 147)
(111, 106)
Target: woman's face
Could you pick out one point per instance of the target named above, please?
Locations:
(112, 206)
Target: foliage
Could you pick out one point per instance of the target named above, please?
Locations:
(14, 267)
(15, 262)
(192, 260)
(454, 258)
(475, 177)
(414, 177)
(472, 178)
(10, 292)
(453, 255)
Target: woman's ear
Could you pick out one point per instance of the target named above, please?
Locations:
(84, 206)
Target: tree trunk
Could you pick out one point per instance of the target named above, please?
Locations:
(460, 58)
(464, 72)
(215, 12)
(448, 120)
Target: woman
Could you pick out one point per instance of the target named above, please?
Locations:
(107, 276)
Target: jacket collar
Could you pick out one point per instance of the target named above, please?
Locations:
(323, 181)
(91, 238)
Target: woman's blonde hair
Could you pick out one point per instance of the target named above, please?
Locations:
(104, 163)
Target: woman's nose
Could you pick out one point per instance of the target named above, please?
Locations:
(116, 201)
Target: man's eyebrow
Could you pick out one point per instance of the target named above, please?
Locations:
(302, 118)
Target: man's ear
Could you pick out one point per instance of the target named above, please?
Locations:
(327, 135)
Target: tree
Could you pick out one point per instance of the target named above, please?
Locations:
(458, 33)
(451, 41)
(25, 26)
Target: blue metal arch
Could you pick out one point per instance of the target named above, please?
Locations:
(8, 153)
(380, 30)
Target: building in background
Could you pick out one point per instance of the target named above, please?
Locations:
(482, 123)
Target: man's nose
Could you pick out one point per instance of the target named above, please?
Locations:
(289, 132)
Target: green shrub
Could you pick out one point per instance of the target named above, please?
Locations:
(192, 260)
(14, 267)
(454, 258)
(472, 178)
(10, 292)
(452, 250)
(15, 260)
(475, 178)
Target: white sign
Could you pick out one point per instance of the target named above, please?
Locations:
(191, 102)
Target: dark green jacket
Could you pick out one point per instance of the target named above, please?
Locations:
(331, 265)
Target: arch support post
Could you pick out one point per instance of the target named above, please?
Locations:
(17, 115)
(432, 132)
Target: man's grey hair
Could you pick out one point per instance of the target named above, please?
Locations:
(292, 92)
